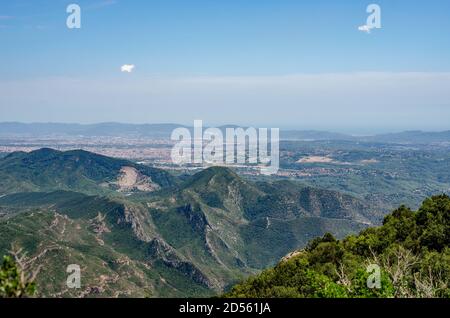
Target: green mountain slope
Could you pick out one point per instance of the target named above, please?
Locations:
(195, 236)
(236, 220)
(49, 170)
(112, 241)
(412, 250)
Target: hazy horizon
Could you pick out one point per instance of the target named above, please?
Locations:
(361, 132)
(292, 64)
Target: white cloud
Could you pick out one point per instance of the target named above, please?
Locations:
(364, 28)
(128, 68)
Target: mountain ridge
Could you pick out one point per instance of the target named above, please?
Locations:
(49, 169)
(194, 237)
(164, 130)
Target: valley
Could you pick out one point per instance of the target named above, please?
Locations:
(190, 236)
(140, 226)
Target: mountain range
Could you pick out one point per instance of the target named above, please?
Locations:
(165, 130)
(140, 231)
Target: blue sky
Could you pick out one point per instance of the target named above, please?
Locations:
(237, 61)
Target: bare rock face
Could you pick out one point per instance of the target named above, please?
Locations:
(195, 217)
(160, 250)
(199, 222)
(99, 227)
(130, 179)
(135, 217)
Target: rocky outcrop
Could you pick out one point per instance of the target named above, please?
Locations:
(130, 179)
(160, 250)
(196, 217)
(99, 227)
(137, 219)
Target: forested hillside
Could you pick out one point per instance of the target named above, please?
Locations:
(411, 248)
(140, 231)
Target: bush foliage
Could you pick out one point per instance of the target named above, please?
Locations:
(411, 249)
(13, 281)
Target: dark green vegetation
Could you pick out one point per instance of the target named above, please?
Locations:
(77, 170)
(161, 236)
(412, 249)
(14, 282)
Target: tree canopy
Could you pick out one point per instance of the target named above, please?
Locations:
(411, 251)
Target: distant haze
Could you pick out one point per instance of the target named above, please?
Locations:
(286, 64)
(347, 102)
(39, 130)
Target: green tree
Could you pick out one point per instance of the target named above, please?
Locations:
(15, 282)
(412, 250)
